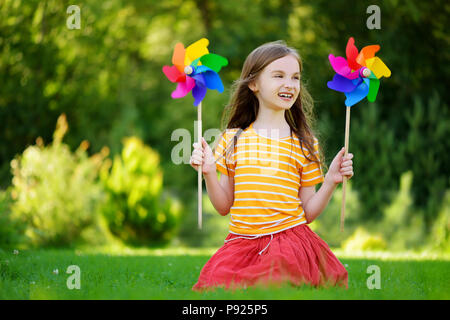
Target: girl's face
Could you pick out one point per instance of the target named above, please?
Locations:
(278, 85)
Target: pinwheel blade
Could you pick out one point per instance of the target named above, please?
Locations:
(210, 78)
(178, 56)
(366, 53)
(341, 84)
(374, 85)
(377, 66)
(173, 74)
(352, 52)
(196, 50)
(198, 92)
(183, 88)
(213, 81)
(341, 67)
(214, 61)
(358, 94)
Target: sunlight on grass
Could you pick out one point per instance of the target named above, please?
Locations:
(390, 255)
(123, 250)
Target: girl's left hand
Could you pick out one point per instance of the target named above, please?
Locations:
(340, 166)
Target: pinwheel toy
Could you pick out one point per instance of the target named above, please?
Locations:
(195, 70)
(357, 77)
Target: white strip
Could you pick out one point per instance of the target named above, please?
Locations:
(256, 215)
(243, 227)
(268, 200)
(267, 148)
(255, 151)
(265, 168)
(308, 172)
(269, 192)
(274, 225)
(305, 180)
(256, 223)
(266, 184)
(268, 208)
(265, 234)
(268, 160)
(278, 146)
(267, 176)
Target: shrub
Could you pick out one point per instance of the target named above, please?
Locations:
(10, 230)
(440, 234)
(56, 192)
(363, 240)
(137, 209)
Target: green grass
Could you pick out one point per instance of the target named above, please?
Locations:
(170, 273)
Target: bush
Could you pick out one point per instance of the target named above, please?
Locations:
(440, 234)
(328, 225)
(214, 229)
(56, 192)
(10, 230)
(363, 240)
(136, 208)
(426, 154)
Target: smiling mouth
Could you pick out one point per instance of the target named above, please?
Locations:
(286, 96)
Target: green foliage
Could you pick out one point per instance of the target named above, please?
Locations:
(363, 240)
(426, 150)
(327, 225)
(138, 211)
(440, 233)
(11, 231)
(401, 223)
(106, 77)
(214, 226)
(400, 226)
(377, 156)
(55, 191)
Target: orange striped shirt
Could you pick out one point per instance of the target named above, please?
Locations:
(268, 174)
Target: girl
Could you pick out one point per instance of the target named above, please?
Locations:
(270, 162)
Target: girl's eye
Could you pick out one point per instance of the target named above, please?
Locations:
(278, 76)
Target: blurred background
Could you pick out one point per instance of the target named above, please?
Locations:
(87, 119)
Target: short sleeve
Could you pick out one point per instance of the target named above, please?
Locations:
(311, 172)
(224, 154)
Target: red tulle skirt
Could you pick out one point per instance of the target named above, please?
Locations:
(297, 255)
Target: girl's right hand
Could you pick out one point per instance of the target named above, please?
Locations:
(203, 155)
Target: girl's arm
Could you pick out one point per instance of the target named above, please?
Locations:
(220, 193)
(314, 203)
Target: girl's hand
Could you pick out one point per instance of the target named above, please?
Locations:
(203, 155)
(340, 166)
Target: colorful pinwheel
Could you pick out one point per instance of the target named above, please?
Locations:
(359, 75)
(195, 69)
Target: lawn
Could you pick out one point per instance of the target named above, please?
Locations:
(107, 273)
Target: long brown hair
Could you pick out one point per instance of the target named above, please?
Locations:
(243, 106)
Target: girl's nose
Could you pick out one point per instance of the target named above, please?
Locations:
(289, 87)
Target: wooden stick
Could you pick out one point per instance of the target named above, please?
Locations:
(199, 174)
(344, 181)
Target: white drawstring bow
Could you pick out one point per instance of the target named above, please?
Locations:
(251, 238)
